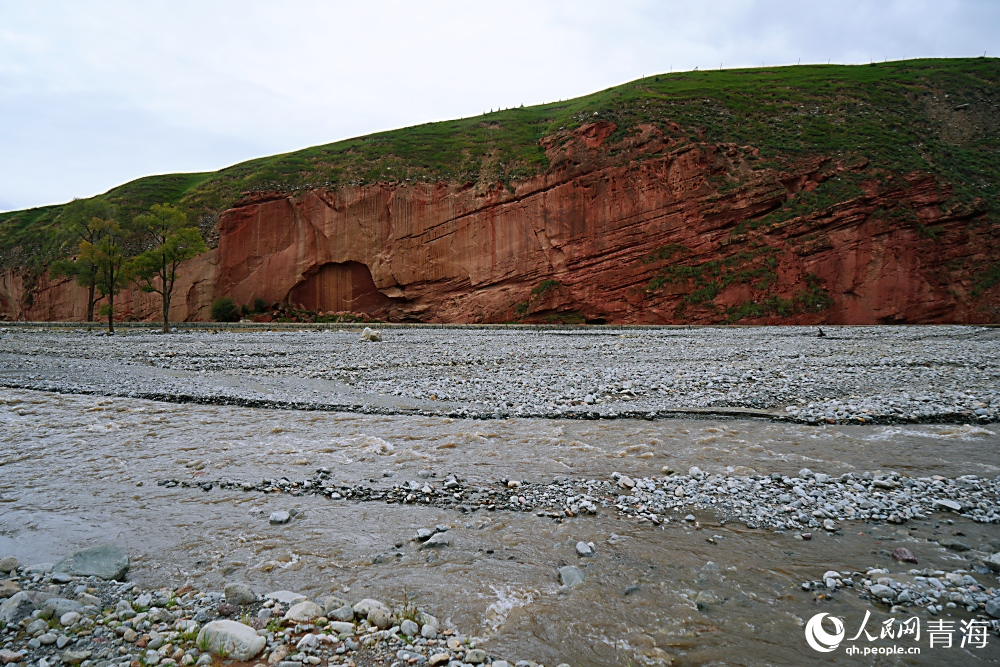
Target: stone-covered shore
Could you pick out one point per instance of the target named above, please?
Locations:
(56, 615)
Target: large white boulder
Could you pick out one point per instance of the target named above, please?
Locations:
(231, 640)
(304, 612)
(371, 336)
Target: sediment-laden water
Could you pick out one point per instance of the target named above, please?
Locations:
(76, 470)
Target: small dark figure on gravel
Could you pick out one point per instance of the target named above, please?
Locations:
(820, 334)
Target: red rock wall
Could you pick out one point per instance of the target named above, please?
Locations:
(461, 253)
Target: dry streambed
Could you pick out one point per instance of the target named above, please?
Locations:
(860, 375)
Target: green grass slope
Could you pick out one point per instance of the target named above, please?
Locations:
(935, 115)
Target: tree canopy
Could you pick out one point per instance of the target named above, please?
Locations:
(170, 242)
(83, 221)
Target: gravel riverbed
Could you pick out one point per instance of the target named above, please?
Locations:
(855, 375)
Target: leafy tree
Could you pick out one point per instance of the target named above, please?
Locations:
(111, 267)
(171, 242)
(83, 221)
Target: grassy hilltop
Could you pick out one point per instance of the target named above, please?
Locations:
(940, 116)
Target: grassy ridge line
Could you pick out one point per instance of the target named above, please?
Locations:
(879, 113)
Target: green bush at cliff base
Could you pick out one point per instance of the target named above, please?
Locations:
(225, 310)
(812, 299)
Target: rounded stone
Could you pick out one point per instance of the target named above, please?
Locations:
(304, 612)
(476, 656)
(279, 518)
(105, 562)
(9, 564)
(240, 594)
(362, 608)
(380, 617)
(570, 576)
(231, 640)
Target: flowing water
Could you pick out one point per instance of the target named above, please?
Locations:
(71, 468)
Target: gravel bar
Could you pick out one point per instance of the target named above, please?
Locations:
(858, 375)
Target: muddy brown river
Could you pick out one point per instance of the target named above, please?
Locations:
(77, 470)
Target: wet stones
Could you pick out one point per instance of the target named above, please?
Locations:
(584, 550)
(904, 555)
(105, 561)
(946, 504)
(808, 501)
(239, 594)
(437, 540)
(882, 592)
(571, 576)
(954, 545)
(933, 590)
(992, 562)
(279, 518)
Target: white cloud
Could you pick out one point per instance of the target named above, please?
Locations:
(93, 94)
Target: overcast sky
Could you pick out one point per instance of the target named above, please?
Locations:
(94, 94)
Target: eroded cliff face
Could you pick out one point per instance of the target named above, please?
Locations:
(648, 229)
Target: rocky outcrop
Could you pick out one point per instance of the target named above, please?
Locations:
(650, 230)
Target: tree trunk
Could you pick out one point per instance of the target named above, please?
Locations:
(90, 301)
(111, 313)
(166, 312)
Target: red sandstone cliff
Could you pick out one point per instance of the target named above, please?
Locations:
(593, 239)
